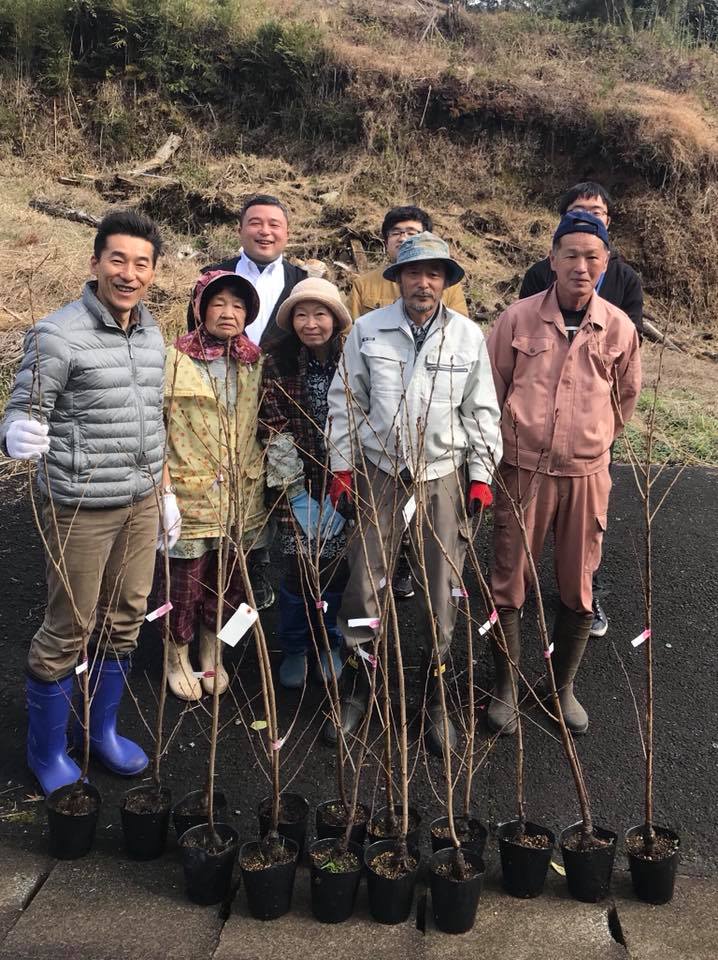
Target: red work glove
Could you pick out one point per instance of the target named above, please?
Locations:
(341, 486)
(480, 497)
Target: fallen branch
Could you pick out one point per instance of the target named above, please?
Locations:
(652, 333)
(54, 209)
(165, 153)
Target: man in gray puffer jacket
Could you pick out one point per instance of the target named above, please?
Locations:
(87, 404)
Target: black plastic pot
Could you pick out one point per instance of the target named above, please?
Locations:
(389, 900)
(208, 876)
(295, 830)
(454, 902)
(327, 828)
(269, 891)
(523, 868)
(412, 837)
(71, 837)
(588, 872)
(654, 880)
(193, 801)
(146, 833)
(333, 894)
(476, 842)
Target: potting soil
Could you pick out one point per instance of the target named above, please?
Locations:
(576, 841)
(327, 859)
(76, 804)
(259, 861)
(389, 865)
(537, 841)
(207, 843)
(463, 832)
(149, 802)
(663, 848)
(336, 815)
(381, 829)
(446, 870)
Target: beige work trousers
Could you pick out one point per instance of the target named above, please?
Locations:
(444, 550)
(574, 508)
(107, 561)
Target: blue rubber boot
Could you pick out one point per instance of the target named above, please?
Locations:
(294, 638)
(336, 640)
(118, 754)
(48, 710)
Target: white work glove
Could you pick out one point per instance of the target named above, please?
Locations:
(27, 439)
(170, 521)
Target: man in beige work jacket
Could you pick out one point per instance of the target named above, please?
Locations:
(567, 371)
(414, 400)
(371, 291)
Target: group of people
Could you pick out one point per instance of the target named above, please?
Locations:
(358, 436)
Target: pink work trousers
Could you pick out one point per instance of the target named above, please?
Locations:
(574, 508)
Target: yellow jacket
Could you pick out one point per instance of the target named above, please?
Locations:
(207, 441)
(370, 291)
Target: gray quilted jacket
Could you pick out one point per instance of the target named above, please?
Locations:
(100, 390)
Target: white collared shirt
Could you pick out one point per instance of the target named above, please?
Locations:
(268, 283)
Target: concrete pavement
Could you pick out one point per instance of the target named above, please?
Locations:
(106, 907)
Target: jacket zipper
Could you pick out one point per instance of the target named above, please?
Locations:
(140, 405)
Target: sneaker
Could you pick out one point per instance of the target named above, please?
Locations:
(292, 671)
(261, 587)
(600, 620)
(402, 582)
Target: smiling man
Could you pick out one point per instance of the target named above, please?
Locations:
(87, 403)
(264, 234)
(567, 370)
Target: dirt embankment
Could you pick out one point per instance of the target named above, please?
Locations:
(345, 109)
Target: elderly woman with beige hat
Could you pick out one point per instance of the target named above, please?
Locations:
(292, 421)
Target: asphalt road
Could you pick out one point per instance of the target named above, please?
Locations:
(686, 777)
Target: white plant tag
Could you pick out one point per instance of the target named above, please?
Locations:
(489, 623)
(81, 667)
(459, 592)
(159, 612)
(372, 622)
(641, 638)
(237, 625)
(382, 583)
(409, 510)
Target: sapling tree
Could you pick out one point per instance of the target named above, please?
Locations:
(646, 474)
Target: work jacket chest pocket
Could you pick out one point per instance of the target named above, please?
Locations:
(386, 363)
(446, 376)
(533, 358)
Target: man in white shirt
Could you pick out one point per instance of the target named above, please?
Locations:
(263, 233)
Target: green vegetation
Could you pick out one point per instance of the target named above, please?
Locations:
(685, 431)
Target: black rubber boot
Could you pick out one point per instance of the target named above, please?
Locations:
(501, 716)
(570, 638)
(434, 722)
(354, 701)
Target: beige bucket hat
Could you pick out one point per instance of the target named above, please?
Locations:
(315, 288)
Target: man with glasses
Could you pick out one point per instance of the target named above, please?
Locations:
(371, 291)
(619, 284)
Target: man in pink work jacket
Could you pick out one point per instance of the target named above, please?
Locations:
(567, 371)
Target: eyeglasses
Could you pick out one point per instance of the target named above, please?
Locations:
(403, 232)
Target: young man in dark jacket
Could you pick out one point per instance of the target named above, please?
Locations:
(87, 403)
(619, 284)
(263, 233)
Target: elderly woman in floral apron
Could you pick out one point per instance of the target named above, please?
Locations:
(216, 464)
(292, 422)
